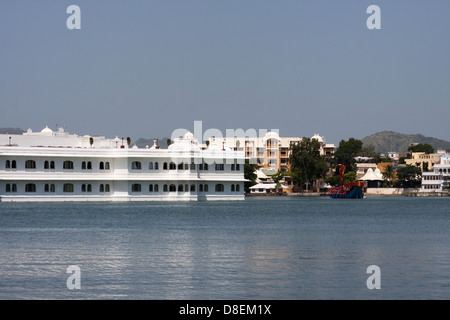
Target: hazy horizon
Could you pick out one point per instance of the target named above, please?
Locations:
(145, 68)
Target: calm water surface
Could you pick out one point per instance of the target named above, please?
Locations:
(261, 248)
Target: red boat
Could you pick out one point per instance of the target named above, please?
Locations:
(352, 190)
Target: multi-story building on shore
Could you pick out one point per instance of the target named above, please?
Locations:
(438, 179)
(57, 166)
(270, 152)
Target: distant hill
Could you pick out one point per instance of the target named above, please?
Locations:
(11, 130)
(386, 141)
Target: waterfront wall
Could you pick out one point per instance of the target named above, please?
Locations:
(403, 192)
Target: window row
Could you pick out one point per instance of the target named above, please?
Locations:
(67, 187)
(67, 165)
(428, 187)
(136, 187)
(137, 165)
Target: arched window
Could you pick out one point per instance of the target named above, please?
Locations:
(238, 187)
(102, 188)
(101, 166)
(165, 166)
(46, 165)
(89, 188)
(172, 166)
(165, 188)
(238, 167)
(232, 167)
(14, 188)
(68, 165)
(83, 165)
(83, 188)
(156, 166)
(192, 166)
(89, 165)
(107, 166)
(192, 187)
(200, 188)
(136, 187)
(52, 164)
(150, 166)
(186, 166)
(68, 187)
(205, 166)
(30, 187)
(206, 188)
(13, 164)
(8, 188)
(172, 188)
(180, 166)
(232, 188)
(46, 188)
(8, 164)
(30, 164)
(220, 187)
(180, 188)
(107, 189)
(186, 188)
(156, 188)
(136, 165)
(150, 187)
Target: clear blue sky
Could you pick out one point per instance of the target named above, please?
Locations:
(144, 68)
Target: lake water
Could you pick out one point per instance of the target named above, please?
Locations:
(260, 248)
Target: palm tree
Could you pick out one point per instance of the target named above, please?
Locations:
(389, 173)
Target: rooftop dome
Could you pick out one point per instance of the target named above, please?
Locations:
(189, 136)
(317, 137)
(271, 135)
(47, 130)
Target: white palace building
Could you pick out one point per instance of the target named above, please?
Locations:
(58, 166)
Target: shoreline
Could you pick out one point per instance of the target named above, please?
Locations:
(393, 194)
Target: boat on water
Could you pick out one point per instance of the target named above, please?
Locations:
(353, 190)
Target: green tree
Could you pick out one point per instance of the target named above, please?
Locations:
(346, 152)
(389, 174)
(169, 142)
(307, 164)
(91, 141)
(409, 177)
(349, 177)
(249, 174)
(128, 141)
(421, 147)
(367, 151)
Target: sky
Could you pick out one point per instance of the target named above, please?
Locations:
(143, 68)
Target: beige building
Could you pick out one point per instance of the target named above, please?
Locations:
(421, 159)
(271, 151)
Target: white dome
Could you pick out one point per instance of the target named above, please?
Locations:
(317, 137)
(271, 135)
(189, 136)
(47, 130)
